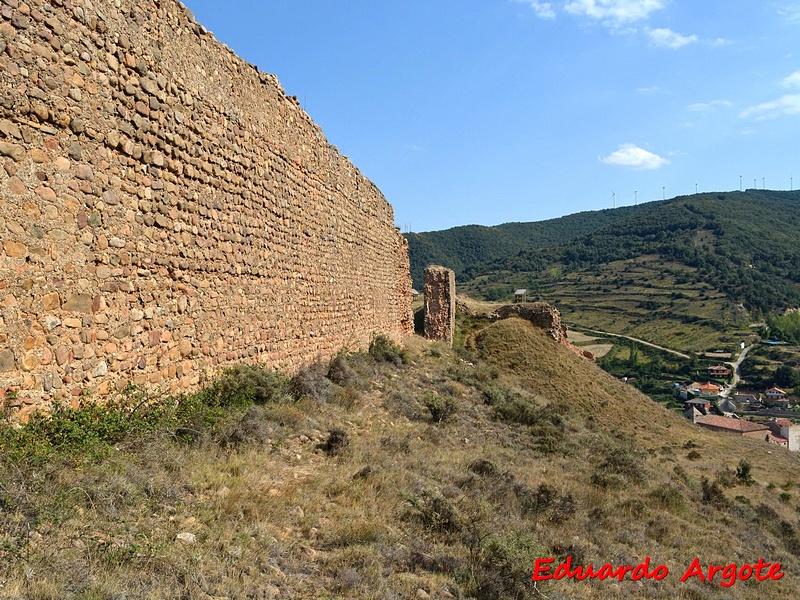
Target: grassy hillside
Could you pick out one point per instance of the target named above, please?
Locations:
(430, 473)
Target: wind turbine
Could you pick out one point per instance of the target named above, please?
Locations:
(614, 198)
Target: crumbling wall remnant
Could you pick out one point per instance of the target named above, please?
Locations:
(440, 304)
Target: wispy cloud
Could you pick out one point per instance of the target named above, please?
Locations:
(782, 107)
(705, 107)
(631, 156)
(666, 38)
(648, 90)
(543, 10)
(792, 80)
(614, 11)
(718, 42)
(790, 12)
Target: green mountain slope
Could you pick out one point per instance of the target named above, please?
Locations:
(466, 249)
(690, 272)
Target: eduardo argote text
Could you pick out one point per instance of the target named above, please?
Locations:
(725, 575)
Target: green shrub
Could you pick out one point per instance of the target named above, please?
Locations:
(440, 407)
(88, 431)
(503, 568)
(435, 512)
(743, 472)
(669, 497)
(243, 385)
(382, 349)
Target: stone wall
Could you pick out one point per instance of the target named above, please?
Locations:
(166, 210)
(440, 304)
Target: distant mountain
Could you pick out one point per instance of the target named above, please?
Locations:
(468, 249)
(746, 244)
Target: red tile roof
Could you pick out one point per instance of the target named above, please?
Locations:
(733, 425)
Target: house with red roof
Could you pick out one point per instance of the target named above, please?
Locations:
(709, 390)
(719, 371)
(736, 426)
(775, 393)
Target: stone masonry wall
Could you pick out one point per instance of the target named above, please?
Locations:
(440, 304)
(166, 210)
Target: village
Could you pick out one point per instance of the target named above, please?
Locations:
(749, 413)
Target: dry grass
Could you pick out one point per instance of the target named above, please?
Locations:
(545, 455)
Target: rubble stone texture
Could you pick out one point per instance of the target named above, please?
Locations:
(166, 210)
(440, 304)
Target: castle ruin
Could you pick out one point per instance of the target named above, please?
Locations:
(166, 210)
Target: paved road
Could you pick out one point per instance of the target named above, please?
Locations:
(638, 341)
(736, 366)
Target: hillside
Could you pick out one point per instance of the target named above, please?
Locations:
(430, 473)
(466, 249)
(690, 273)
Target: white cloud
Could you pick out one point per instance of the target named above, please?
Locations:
(630, 155)
(666, 38)
(648, 90)
(709, 106)
(543, 10)
(614, 11)
(792, 80)
(791, 12)
(782, 107)
(719, 42)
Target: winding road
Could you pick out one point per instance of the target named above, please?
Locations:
(737, 375)
(637, 340)
(735, 366)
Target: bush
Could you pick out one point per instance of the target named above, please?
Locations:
(743, 473)
(382, 349)
(243, 385)
(337, 441)
(311, 381)
(254, 427)
(340, 371)
(504, 566)
(435, 512)
(712, 493)
(668, 497)
(440, 407)
(89, 431)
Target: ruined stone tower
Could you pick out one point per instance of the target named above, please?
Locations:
(440, 304)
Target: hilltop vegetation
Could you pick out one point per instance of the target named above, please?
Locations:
(467, 249)
(425, 472)
(690, 273)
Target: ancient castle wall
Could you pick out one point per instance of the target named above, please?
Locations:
(166, 210)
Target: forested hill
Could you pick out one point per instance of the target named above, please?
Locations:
(745, 244)
(467, 249)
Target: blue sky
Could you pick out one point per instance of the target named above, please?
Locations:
(490, 111)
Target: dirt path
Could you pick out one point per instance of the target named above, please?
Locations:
(638, 341)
